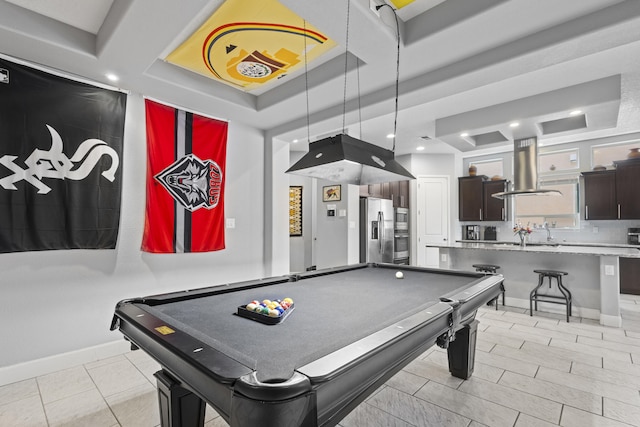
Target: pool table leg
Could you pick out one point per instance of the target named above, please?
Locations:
(179, 407)
(462, 351)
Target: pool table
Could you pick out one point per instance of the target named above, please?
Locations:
(350, 329)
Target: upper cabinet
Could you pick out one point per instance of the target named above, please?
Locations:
(475, 202)
(397, 191)
(470, 198)
(627, 178)
(600, 195)
(494, 209)
(400, 194)
(613, 194)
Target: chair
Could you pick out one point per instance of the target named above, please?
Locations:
(536, 297)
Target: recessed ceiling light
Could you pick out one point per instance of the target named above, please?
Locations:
(514, 124)
(390, 135)
(575, 112)
(464, 134)
(420, 148)
(295, 140)
(112, 77)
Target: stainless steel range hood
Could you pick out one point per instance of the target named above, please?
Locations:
(525, 171)
(348, 160)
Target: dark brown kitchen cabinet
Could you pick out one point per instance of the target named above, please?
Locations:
(629, 271)
(371, 190)
(386, 190)
(397, 191)
(613, 194)
(493, 209)
(400, 194)
(627, 180)
(475, 202)
(470, 198)
(600, 201)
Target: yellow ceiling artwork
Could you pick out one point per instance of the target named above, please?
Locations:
(401, 3)
(248, 43)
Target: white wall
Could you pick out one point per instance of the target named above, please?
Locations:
(336, 243)
(300, 247)
(353, 224)
(276, 207)
(54, 302)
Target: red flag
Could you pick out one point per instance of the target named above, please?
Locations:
(186, 165)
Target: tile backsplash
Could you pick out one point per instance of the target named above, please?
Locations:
(613, 232)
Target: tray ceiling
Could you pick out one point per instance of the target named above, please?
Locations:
(461, 63)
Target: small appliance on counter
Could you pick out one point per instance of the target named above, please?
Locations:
(470, 232)
(633, 236)
(490, 233)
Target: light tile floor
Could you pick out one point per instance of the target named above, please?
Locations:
(530, 372)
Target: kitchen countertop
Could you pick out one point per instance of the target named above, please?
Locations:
(554, 243)
(625, 251)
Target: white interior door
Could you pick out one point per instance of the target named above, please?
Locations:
(432, 218)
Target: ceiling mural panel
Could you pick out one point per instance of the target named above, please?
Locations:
(401, 3)
(249, 43)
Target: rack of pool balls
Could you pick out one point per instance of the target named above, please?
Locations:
(267, 311)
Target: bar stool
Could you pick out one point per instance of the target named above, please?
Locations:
(491, 269)
(565, 299)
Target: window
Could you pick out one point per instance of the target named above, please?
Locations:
(557, 211)
(555, 161)
(604, 155)
(489, 168)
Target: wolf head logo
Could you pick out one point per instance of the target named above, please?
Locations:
(192, 182)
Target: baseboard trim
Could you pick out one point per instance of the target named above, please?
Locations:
(47, 365)
(587, 313)
(609, 320)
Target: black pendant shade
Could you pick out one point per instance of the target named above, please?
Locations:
(348, 160)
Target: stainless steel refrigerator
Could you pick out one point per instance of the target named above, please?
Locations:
(376, 230)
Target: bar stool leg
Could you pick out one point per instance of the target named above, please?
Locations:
(534, 295)
(567, 296)
(498, 297)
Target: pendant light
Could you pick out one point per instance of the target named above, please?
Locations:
(345, 159)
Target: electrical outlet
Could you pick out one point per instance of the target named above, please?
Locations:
(595, 229)
(372, 6)
(608, 270)
(443, 257)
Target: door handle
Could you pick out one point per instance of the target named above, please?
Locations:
(586, 212)
(380, 232)
(618, 210)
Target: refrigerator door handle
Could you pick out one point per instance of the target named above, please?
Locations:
(381, 231)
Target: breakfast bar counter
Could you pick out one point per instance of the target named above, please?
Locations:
(625, 251)
(593, 279)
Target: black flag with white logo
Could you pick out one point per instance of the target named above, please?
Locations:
(60, 162)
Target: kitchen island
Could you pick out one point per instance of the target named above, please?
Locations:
(593, 279)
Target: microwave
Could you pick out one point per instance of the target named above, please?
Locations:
(401, 218)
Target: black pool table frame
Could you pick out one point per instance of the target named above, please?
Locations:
(319, 393)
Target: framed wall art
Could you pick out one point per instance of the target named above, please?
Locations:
(331, 193)
(295, 210)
